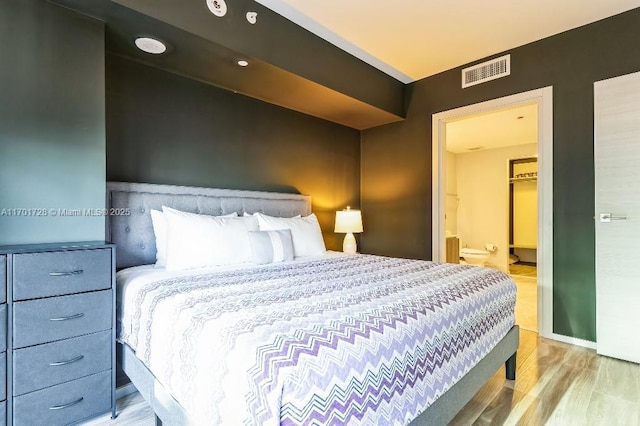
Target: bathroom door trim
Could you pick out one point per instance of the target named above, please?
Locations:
(544, 99)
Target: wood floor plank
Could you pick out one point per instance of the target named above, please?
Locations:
(583, 358)
(618, 379)
(523, 270)
(559, 383)
(132, 410)
(552, 394)
(526, 303)
(538, 369)
(565, 398)
(505, 408)
(572, 407)
(480, 400)
(528, 344)
(607, 410)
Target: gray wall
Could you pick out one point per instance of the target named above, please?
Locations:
(164, 128)
(396, 159)
(52, 131)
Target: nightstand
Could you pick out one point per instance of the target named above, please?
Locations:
(60, 354)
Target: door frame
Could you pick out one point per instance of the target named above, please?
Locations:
(544, 99)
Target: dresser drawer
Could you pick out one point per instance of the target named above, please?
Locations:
(3, 376)
(3, 327)
(3, 279)
(46, 365)
(47, 320)
(65, 403)
(62, 272)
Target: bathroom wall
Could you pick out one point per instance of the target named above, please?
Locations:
(451, 193)
(483, 191)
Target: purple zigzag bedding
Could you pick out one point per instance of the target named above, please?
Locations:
(338, 340)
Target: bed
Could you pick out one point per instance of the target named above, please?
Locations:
(324, 339)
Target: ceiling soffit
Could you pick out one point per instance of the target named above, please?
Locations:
(289, 66)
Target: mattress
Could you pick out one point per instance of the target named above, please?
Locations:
(331, 340)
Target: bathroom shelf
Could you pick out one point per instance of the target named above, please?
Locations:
(526, 179)
(523, 246)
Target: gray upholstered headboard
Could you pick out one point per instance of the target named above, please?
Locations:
(129, 223)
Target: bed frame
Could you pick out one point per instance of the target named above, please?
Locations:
(129, 227)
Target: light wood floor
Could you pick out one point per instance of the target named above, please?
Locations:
(132, 411)
(556, 384)
(526, 302)
(560, 385)
(523, 269)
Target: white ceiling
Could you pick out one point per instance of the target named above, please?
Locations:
(413, 39)
(493, 130)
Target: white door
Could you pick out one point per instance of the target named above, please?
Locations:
(617, 216)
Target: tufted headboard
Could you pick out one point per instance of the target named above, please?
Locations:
(129, 221)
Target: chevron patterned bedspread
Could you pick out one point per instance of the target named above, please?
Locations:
(344, 340)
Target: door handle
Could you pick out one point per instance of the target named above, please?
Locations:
(608, 217)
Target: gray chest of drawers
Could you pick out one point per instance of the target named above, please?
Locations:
(57, 321)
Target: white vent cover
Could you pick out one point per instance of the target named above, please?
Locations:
(486, 71)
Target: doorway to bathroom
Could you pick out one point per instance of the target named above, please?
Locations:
(492, 173)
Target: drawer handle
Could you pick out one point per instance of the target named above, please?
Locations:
(63, 406)
(66, 274)
(70, 317)
(71, 361)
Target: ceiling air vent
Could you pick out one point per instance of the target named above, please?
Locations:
(486, 71)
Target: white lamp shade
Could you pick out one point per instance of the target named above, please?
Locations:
(348, 221)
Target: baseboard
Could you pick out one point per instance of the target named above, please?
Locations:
(572, 341)
(125, 390)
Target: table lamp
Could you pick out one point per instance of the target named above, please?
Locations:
(348, 221)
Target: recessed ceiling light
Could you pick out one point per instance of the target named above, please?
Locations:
(243, 63)
(252, 17)
(150, 45)
(217, 7)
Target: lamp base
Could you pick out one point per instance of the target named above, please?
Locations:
(349, 245)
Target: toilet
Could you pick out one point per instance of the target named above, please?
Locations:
(473, 256)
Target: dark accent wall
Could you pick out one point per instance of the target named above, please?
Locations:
(164, 128)
(359, 96)
(282, 43)
(396, 158)
(52, 131)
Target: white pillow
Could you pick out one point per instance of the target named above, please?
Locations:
(245, 214)
(305, 232)
(271, 246)
(160, 230)
(195, 241)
